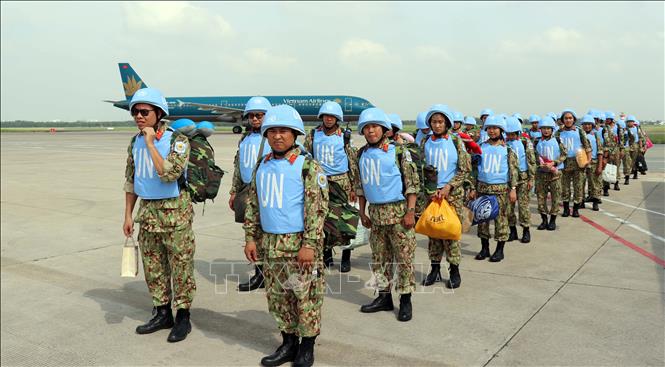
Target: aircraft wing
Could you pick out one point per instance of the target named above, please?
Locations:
(213, 109)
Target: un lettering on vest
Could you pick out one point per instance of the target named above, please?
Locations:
(325, 154)
(438, 158)
(143, 164)
(494, 165)
(370, 170)
(271, 190)
(380, 177)
(280, 192)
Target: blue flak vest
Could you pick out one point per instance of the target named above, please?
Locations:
(249, 148)
(493, 168)
(549, 149)
(594, 144)
(329, 152)
(535, 134)
(636, 136)
(571, 140)
(380, 176)
(147, 184)
(518, 148)
(442, 154)
(483, 136)
(281, 194)
(599, 136)
(420, 135)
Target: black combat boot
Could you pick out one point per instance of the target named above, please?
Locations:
(626, 180)
(405, 308)
(328, 258)
(434, 274)
(526, 234)
(455, 279)
(485, 250)
(182, 326)
(552, 225)
(285, 353)
(576, 213)
(384, 302)
(616, 186)
(588, 199)
(345, 267)
(255, 282)
(566, 209)
(498, 253)
(581, 206)
(543, 225)
(513, 234)
(595, 206)
(606, 189)
(162, 319)
(635, 175)
(305, 357)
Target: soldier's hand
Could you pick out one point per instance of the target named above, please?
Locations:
(599, 170)
(365, 220)
(149, 134)
(409, 220)
(472, 194)
(305, 257)
(445, 191)
(352, 197)
(250, 251)
(231, 200)
(128, 227)
(512, 196)
(529, 185)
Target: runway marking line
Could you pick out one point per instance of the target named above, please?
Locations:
(625, 242)
(633, 207)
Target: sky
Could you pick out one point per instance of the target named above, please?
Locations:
(59, 59)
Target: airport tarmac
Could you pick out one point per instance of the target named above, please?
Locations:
(591, 293)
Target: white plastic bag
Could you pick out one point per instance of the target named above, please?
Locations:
(130, 259)
(610, 173)
(362, 235)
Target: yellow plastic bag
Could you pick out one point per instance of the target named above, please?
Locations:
(581, 158)
(439, 220)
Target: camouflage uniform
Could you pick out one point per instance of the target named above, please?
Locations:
(594, 181)
(389, 240)
(456, 198)
(340, 219)
(501, 192)
(295, 294)
(165, 235)
(634, 148)
(550, 183)
(523, 189)
(621, 140)
(572, 173)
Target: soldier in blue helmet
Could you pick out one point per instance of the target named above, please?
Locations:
(594, 170)
(244, 162)
(574, 139)
(332, 148)
(534, 131)
(389, 183)
(523, 147)
(157, 157)
(550, 154)
(286, 211)
(421, 126)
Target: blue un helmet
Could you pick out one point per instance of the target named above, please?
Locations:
(442, 109)
(497, 121)
(534, 118)
(458, 117)
(572, 112)
(484, 208)
(420, 121)
(601, 115)
(185, 126)
(373, 115)
(395, 121)
(283, 116)
(152, 97)
(206, 128)
(470, 120)
(333, 109)
(631, 118)
(621, 123)
(487, 112)
(609, 115)
(519, 117)
(588, 119)
(547, 121)
(259, 104)
(513, 125)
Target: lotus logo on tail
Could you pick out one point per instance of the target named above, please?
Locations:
(132, 86)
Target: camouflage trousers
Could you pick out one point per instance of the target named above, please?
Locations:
(548, 183)
(295, 295)
(393, 244)
(629, 162)
(594, 182)
(522, 203)
(169, 257)
(619, 162)
(501, 229)
(572, 175)
(436, 246)
(339, 220)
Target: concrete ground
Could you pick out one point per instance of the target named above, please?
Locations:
(577, 296)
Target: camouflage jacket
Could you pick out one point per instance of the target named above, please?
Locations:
(392, 213)
(236, 182)
(513, 176)
(315, 207)
(562, 158)
(583, 139)
(531, 159)
(463, 171)
(159, 215)
(351, 154)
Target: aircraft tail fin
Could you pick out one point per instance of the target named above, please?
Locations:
(131, 81)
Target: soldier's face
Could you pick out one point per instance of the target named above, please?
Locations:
(493, 132)
(483, 118)
(630, 123)
(373, 133)
(457, 125)
(280, 138)
(546, 131)
(255, 119)
(329, 121)
(438, 124)
(512, 136)
(534, 125)
(587, 127)
(568, 119)
(150, 120)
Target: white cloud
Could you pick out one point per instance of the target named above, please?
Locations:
(361, 51)
(260, 60)
(174, 18)
(554, 40)
(434, 53)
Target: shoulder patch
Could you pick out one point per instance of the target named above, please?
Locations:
(180, 147)
(322, 180)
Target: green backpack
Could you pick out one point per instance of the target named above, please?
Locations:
(203, 175)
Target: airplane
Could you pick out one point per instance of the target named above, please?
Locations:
(229, 109)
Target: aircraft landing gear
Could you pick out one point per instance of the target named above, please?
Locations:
(237, 129)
